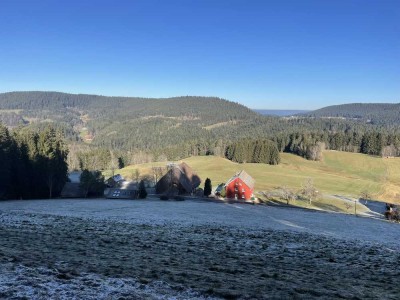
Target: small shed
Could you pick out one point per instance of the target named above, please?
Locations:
(180, 179)
(240, 186)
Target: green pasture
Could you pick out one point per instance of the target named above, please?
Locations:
(339, 173)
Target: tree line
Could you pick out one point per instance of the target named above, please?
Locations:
(34, 165)
(307, 144)
(253, 151)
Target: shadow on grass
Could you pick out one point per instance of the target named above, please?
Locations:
(326, 206)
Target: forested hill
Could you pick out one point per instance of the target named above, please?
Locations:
(206, 109)
(101, 130)
(375, 113)
(112, 121)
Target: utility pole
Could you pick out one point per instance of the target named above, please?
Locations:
(355, 207)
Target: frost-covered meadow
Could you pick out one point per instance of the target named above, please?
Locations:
(151, 249)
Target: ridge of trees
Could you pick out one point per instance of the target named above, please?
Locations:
(253, 151)
(34, 165)
(374, 113)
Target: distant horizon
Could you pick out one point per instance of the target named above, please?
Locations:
(193, 95)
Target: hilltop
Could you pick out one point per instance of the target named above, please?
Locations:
(374, 113)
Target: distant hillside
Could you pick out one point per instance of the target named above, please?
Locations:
(280, 112)
(172, 128)
(374, 113)
(123, 122)
(205, 109)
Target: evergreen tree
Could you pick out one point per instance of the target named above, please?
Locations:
(6, 162)
(207, 187)
(92, 183)
(142, 190)
(53, 154)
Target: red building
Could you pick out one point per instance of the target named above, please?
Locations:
(240, 186)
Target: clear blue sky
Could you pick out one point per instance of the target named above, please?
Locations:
(296, 54)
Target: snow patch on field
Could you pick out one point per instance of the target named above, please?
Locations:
(153, 212)
(149, 249)
(43, 283)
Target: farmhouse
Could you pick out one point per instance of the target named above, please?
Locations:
(122, 190)
(180, 179)
(240, 186)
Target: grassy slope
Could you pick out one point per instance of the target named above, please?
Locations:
(340, 173)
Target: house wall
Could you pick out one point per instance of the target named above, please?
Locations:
(238, 189)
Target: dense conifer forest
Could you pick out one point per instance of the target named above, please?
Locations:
(33, 165)
(374, 113)
(112, 132)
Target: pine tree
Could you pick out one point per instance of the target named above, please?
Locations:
(53, 160)
(142, 190)
(92, 182)
(6, 163)
(207, 187)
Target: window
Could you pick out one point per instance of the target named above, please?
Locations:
(243, 190)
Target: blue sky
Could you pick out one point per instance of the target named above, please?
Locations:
(263, 54)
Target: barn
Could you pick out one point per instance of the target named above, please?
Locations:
(180, 179)
(240, 186)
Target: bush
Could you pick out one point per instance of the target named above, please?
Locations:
(179, 198)
(164, 197)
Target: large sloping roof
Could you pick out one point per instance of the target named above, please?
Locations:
(187, 177)
(246, 178)
(181, 175)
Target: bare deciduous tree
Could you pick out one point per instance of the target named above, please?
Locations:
(287, 194)
(309, 191)
(315, 152)
(157, 173)
(389, 151)
(365, 195)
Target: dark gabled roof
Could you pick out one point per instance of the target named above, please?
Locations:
(181, 175)
(246, 178)
(187, 177)
(115, 180)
